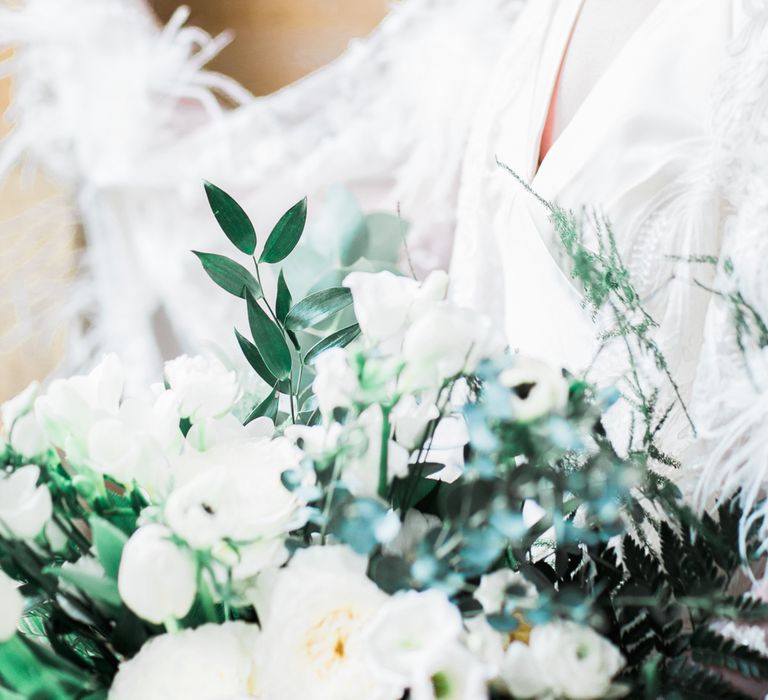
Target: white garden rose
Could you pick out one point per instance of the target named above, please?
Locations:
(25, 507)
(71, 406)
(137, 442)
(11, 606)
(564, 660)
(204, 387)
(210, 433)
(156, 580)
(212, 662)
(314, 613)
(335, 383)
(409, 638)
(537, 389)
(362, 461)
(494, 588)
(318, 442)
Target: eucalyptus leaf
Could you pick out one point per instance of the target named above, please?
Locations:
(318, 307)
(269, 340)
(268, 407)
(229, 275)
(286, 234)
(108, 541)
(339, 339)
(232, 219)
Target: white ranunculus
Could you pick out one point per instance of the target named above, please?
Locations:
(362, 462)
(411, 418)
(212, 662)
(156, 580)
(314, 613)
(71, 406)
(562, 659)
(385, 304)
(25, 507)
(493, 591)
(409, 638)
(11, 606)
(537, 389)
(238, 497)
(444, 342)
(335, 383)
(204, 386)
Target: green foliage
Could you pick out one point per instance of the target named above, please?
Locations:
(229, 275)
(232, 219)
(286, 234)
(317, 308)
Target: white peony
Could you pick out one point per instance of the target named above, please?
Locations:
(204, 387)
(241, 499)
(11, 606)
(410, 637)
(362, 461)
(537, 389)
(494, 588)
(156, 580)
(562, 659)
(212, 662)
(25, 507)
(314, 614)
(335, 383)
(458, 676)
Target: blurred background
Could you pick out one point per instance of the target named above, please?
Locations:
(276, 42)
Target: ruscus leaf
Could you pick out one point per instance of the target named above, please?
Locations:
(229, 275)
(286, 234)
(269, 340)
(232, 219)
(317, 308)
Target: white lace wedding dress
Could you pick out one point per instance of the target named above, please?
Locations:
(670, 146)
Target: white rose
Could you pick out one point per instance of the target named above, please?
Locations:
(362, 461)
(11, 606)
(319, 442)
(411, 635)
(411, 418)
(572, 660)
(212, 662)
(239, 497)
(136, 443)
(23, 432)
(444, 342)
(493, 590)
(335, 383)
(71, 406)
(204, 386)
(314, 613)
(386, 303)
(537, 389)
(25, 507)
(228, 430)
(156, 580)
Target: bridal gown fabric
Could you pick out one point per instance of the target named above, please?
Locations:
(669, 146)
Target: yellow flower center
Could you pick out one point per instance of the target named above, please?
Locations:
(326, 643)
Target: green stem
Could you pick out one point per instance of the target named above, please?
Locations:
(384, 453)
(264, 297)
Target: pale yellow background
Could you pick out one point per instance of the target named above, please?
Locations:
(277, 41)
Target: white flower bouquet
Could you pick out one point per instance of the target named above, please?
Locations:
(406, 512)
